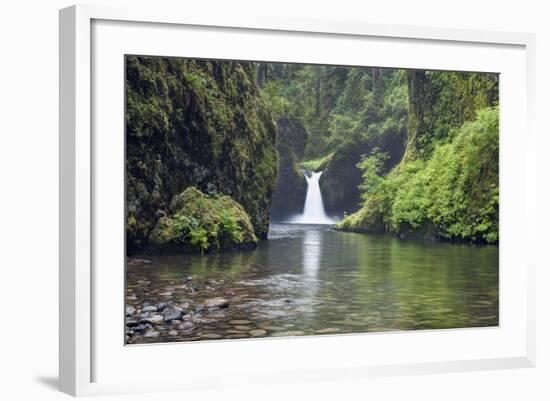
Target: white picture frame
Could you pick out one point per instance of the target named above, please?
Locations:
(81, 161)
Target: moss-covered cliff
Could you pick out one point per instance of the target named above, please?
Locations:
(440, 101)
(291, 188)
(195, 123)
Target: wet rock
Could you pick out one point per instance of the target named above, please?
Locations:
(137, 262)
(155, 319)
(216, 316)
(151, 333)
(244, 328)
(149, 308)
(161, 306)
(130, 310)
(186, 326)
(172, 333)
(237, 336)
(218, 302)
(131, 323)
(211, 336)
(328, 330)
(257, 333)
(292, 333)
(240, 322)
(140, 328)
(229, 293)
(171, 313)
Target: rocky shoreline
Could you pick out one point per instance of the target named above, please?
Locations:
(191, 318)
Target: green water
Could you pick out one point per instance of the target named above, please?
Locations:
(313, 280)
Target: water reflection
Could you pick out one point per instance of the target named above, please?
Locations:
(313, 280)
(311, 253)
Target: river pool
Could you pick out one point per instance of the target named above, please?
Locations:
(312, 280)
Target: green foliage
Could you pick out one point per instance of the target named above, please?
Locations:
(362, 122)
(317, 164)
(442, 100)
(453, 194)
(372, 167)
(230, 227)
(279, 105)
(188, 229)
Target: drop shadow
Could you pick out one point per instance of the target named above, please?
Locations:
(52, 382)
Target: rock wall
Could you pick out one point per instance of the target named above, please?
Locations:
(195, 123)
(290, 193)
(341, 178)
(440, 101)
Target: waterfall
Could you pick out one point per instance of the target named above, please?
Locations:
(314, 210)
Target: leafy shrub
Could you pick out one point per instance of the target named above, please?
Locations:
(316, 164)
(455, 191)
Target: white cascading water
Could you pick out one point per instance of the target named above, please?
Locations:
(314, 210)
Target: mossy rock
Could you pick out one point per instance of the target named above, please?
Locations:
(200, 123)
(201, 223)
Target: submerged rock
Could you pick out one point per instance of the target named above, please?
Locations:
(240, 322)
(211, 336)
(186, 326)
(216, 303)
(151, 333)
(257, 333)
(328, 330)
(171, 313)
(156, 319)
(137, 262)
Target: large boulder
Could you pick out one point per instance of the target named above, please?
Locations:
(201, 223)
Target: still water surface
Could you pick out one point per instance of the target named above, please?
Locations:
(313, 280)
